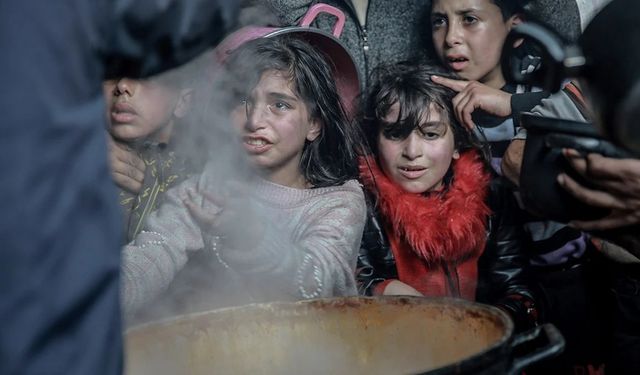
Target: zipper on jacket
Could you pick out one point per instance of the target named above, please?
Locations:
(452, 278)
(365, 39)
(364, 36)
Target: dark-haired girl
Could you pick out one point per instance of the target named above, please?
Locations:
(440, 223)
(295, 234)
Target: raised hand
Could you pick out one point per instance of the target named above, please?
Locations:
(474, 95)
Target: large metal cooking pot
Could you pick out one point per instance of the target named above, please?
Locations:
(394, 335)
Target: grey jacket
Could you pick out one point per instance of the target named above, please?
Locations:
(394, 30)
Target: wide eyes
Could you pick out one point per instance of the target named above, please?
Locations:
(469, 20)
(430, 135)
(274, 107)
(438, 22)
(428, 132)
(281, 106)
(432, 130)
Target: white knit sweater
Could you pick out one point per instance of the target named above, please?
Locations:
(310, 243)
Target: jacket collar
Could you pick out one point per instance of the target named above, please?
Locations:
(449, 226)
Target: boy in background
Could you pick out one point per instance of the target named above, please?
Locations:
(468, 36)
(145, 118)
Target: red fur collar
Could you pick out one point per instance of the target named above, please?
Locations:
(449, 226)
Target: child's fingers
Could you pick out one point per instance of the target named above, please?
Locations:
(616, 219)
(461, 105)
(124, 154)
(465, 110)
(215, 199)
(589, 196)
(454, 84)
(202, 217)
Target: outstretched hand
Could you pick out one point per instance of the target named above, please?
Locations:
(474, 95)
(618, 188)
(227, 214)
(127, 168)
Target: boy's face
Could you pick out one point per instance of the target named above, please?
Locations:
(274, 125)
(142, 109)
(468, 36)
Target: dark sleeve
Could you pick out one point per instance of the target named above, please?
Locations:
(503, 267)
(525, 102)
(376, 263)
(145, 37)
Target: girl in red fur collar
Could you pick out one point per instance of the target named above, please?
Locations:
(440, 224)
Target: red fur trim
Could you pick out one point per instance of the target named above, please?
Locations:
(449, 226)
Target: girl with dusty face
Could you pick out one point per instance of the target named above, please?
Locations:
(419, 162)
(468, 36)
(274, 124)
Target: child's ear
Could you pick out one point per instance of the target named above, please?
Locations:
(314, 130)
(456, 155)
(184, 103)
(514, 21)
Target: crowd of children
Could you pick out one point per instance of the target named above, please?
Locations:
(417, 195)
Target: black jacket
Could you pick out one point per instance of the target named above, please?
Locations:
(503, 279)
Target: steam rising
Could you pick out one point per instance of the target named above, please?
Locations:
(207, 138)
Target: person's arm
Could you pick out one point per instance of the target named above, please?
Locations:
(145, 37)
(526, 102)
(559, 105)
(616, 186)
(376, 263)
(512, 161)
(322, 258)
(154, 257)
(314, 258)
(503, 267)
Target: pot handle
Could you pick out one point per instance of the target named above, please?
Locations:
(316, 9)
(555, 346)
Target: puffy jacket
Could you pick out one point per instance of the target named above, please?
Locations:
(502, 267)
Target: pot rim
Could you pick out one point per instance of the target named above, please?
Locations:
(477, 360)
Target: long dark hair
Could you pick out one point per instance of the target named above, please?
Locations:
(331, 158)
(410, 86)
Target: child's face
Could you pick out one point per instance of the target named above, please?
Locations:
(142, 109)
(274, 124)
(419, 162)
(468, 36)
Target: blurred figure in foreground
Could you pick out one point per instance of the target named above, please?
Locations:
(59, 225)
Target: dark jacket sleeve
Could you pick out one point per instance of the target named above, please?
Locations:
(503, 267)
(376, 263)
(145, 37)
(526, 101)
